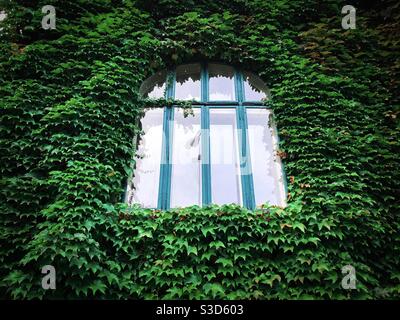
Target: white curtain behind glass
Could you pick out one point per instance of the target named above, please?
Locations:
(143, 189)
(186, 161)
(266, 165)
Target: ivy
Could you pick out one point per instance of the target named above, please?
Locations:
(70, 107)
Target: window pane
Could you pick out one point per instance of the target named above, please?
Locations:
(186, 162)
(222, 84)
(154, 87)
(254, 88)
(266, 165)
(188, 82)
(225, 170)
(143, 188)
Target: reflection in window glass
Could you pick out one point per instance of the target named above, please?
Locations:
(221, 84)
(188, 82)
(154, 87)
(266, 165)
(143, 188)
(254, 88)
(225, 170)
(186, 162)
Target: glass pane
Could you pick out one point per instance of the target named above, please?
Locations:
(266, 165)
(225, 169)
(154, 87)
(143, 188)
(222, 84)
(186, 162)
(254, 88)
(188, 82)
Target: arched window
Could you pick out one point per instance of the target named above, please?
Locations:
(224, 152)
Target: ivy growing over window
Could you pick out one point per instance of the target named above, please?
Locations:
(70, 106)
(225, 152)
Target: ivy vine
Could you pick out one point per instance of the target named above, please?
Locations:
(70, 107)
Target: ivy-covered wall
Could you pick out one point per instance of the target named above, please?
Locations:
(70, 108)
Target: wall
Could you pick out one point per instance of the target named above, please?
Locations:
(70, 106)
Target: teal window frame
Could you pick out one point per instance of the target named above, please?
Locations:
(240, 106)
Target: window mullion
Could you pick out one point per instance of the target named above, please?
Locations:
(251, 202)
(204, 83)
(164, 161)
(166, 155)
(205, 156)
(244, 152)
(205, 139)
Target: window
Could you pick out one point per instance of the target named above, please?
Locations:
(186, 161)
(224, 157)
(154, 87)
(143, 187)
(225, 151)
